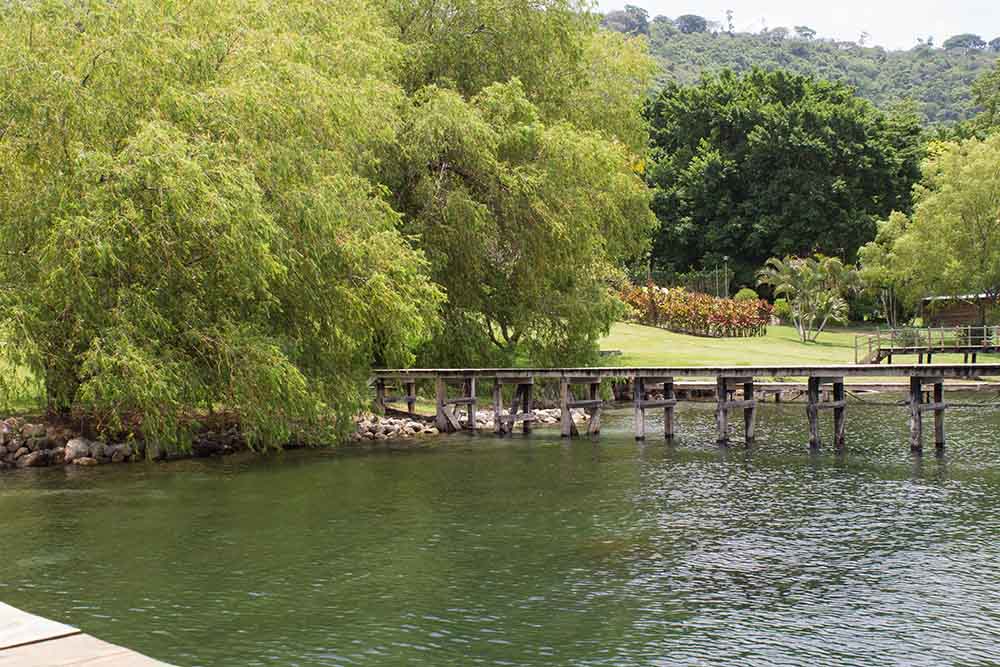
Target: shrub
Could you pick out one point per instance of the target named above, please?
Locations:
(677, 309)
(782, 310)
(747, 294)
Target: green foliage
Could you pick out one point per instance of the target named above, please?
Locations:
(964, 41)
(518, 169)
(746, 294)
(815, 288)
(951, 244)
(772, 163)
(937, 80)
(189, 219)
(523, 222)
(241, 205)
(986, 92)
(783, 311)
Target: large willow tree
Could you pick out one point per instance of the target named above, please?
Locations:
(518, 171)
(188, 215)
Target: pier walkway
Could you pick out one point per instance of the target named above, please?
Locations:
(653, 388)
(27, 640)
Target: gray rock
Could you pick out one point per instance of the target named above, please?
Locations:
(120, 453)
(98, 450)
(22, 451)
(57, 456)
(34, 460)
(77, 448)
(38, 443)
(85, 461)
(33, 431)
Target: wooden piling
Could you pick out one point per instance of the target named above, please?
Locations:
(638, 399)
(721, 411)
(379, 407)
(749, 412)
(812, 411)
(916, 423)
(939, 415)
(668, 409)
(566, 415)
(839, 414)
(411, 397)
(440, 414)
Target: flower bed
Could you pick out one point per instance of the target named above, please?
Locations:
(677, 309)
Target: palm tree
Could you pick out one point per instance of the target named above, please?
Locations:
(814, 287)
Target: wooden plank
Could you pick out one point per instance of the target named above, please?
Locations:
(828, 405)
(737, 404)
(658, 403)
(926, 407)
(27, 640)
(587, 403)
(19, 627)
(75, 650)
(939, 416)
(585, 374)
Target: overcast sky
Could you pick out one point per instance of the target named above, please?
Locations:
(891, 23)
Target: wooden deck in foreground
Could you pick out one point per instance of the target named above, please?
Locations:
(27, 640)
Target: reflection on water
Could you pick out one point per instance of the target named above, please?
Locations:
(532, 551)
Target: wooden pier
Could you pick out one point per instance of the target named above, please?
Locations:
(924, 343)
(925, 394)
(27, 640)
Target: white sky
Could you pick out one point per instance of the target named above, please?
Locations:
(893, 24)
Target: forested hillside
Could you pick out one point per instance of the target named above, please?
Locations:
(938, 79)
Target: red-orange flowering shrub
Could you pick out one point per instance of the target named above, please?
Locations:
(677, 309)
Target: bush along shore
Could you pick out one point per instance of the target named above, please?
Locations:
(32, 444)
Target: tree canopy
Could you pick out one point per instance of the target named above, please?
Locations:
(772, 163)
(950, 246)
(242, 205)
(937, 80)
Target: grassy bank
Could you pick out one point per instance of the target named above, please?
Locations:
(649, 346)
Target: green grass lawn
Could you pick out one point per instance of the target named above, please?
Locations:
(649, 346)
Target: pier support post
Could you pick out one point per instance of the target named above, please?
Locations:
(749, 412)
(526, 393)
(839, 414)
(471, 405)
(920, 402)
(668, 409)
(379, 406)
(642, 403)
(440, 414)
(723, 405)
(721, 411)
(411, 396)
(498, 423)
(639, 398)
(939, 415)
(812, 411)
(836, 400)
(565, 396)
(916, 423)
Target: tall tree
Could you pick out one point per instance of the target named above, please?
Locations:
(691, 23)
(772, 163)
(188, 213)
(518, 171)
(951, 246)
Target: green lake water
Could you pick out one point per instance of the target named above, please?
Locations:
(532, 551)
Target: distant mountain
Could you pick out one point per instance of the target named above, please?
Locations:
(939, 80)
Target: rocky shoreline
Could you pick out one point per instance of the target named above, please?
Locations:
(24, 444)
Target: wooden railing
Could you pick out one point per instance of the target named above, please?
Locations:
(873, 348)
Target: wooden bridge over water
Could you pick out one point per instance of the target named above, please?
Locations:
(579, 388)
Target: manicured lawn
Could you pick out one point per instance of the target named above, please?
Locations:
(650, 346)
